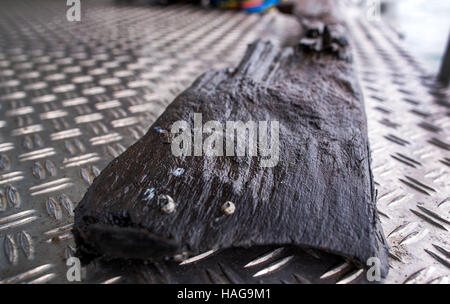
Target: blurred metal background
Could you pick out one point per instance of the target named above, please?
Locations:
(74, 95)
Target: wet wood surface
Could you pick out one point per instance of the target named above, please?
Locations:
(150, 204)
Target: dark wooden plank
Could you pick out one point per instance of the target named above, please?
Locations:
(319, 194)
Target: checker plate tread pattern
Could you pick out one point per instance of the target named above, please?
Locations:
(74, 95)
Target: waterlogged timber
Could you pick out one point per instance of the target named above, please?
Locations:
(151, 204)
(240, 139)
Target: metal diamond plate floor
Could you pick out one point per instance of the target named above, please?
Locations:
(74, 95)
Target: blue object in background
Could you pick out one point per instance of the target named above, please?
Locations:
(265, 5)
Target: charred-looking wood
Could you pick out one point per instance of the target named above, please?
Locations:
(323, 30)
(320, 194)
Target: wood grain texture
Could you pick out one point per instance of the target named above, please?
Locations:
(320, 194)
